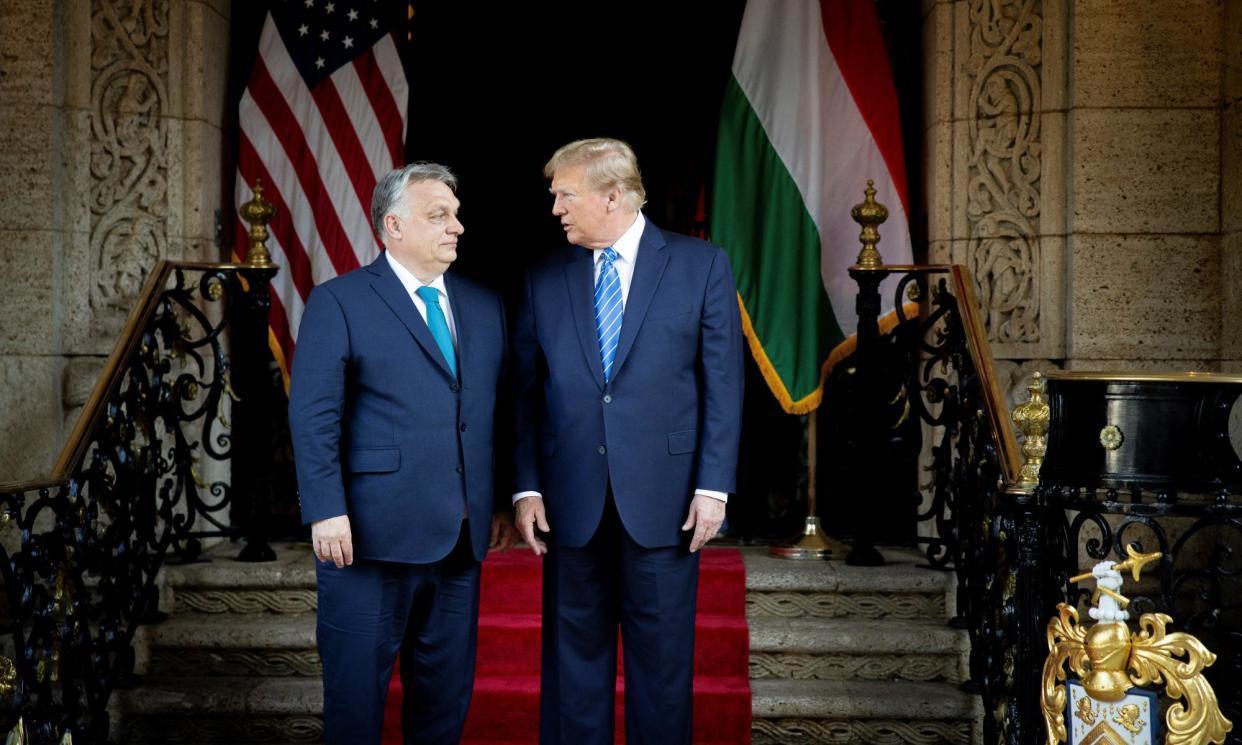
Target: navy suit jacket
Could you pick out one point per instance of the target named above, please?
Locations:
(670, 419)
(382, 431)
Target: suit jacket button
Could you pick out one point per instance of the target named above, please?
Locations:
(463, 426)
(455, 388)
(461, 468)
(602, 450)
(607, 398)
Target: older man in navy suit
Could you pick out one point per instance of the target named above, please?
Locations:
(394, 391)
(628, 368)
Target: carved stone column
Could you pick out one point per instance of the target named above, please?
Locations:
(1231, 196)
(111, 145)
(1076, 165)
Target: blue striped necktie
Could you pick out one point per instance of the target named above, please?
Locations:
(438, 325)
(608, 310)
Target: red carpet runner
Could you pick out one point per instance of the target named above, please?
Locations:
(505, 708)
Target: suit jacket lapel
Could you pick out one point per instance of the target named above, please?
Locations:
(648, 269)
(393, 293)
(580, 279)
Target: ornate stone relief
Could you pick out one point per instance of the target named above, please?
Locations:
(871, 731)
(833, 605)
(264, 663)
(1002, 71)
(767, 665)
(246, 601)
(129, 146)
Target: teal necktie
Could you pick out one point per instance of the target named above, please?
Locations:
(438, 325)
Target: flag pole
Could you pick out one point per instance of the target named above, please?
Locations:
(812, 543)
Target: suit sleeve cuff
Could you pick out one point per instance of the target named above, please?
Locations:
(722, 496)
(524, 494)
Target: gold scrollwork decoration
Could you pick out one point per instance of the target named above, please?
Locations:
(1109, 660)
(1156, 657)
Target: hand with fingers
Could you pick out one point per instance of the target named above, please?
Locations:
(530, 515)
(706, 515)
(504, 534)
(333, 541)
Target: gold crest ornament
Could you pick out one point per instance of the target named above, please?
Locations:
(1110, 660)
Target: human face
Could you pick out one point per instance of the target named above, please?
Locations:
(422, 232)
(588, 216)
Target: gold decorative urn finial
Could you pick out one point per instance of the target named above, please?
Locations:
(870, 215)
(1109, 659)
(258, 212)
(1032, 419)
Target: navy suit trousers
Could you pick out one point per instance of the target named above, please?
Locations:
(429, 613)
(588, 592)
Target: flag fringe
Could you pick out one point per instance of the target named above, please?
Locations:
(278, 354)
(812, 400)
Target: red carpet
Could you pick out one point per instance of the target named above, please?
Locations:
(505, 708)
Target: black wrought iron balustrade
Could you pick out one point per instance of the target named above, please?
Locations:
(1013, 537)
(142, 480)
(930, 381)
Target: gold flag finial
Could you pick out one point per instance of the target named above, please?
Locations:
(1032, 419)
(258, 212)
(870, 215)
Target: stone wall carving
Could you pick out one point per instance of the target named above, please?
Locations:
(1002, 71)
(129, 146)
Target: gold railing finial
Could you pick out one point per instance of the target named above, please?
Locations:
(1032, 418)
(870, 215)
(258, 212)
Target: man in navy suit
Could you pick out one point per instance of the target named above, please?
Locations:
(393, 395)
(628, 370)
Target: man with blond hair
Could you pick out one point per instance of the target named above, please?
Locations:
(628, 369)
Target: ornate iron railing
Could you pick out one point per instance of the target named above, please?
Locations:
(1012, 539)
(140, 480)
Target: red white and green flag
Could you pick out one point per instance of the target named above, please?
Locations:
(809, 115)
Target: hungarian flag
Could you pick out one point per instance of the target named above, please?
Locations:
(809, 115)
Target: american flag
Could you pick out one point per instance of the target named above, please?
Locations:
(322, 118)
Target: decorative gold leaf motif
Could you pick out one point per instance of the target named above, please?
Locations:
(1066, 643)
(1157, 657)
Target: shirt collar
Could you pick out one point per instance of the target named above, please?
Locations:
(627, 245)
(412, 283)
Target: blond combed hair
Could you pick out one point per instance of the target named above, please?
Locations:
(610, 164)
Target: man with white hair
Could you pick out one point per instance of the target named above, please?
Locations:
(391, 407)
(628, 373)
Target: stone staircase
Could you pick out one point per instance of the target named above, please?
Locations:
(842, 654)
(838, 655)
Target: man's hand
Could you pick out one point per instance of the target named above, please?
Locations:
(333, 541)
(706, 515)
(529, 516)
(504, 534)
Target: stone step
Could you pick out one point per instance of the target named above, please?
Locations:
(209, 709)
(250, 645)
(837, 649)
(798, 712)
(830, 589)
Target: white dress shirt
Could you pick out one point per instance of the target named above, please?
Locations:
(627, 254)
(411, 285)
